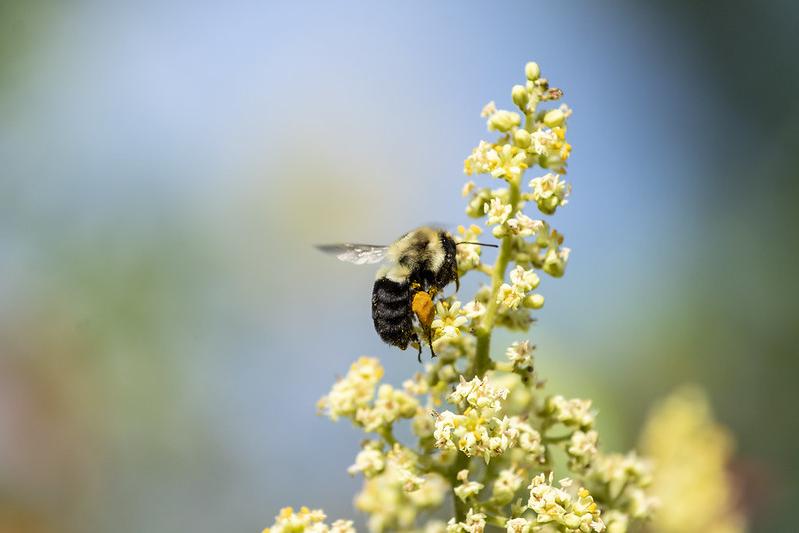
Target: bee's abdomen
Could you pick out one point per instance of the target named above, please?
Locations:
(391, 312)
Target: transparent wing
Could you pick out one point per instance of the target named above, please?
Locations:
(358, 254)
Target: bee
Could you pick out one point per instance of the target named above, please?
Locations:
(418, 267)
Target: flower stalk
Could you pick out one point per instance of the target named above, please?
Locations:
(482, 361)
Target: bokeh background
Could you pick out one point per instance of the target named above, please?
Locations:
(166, 326)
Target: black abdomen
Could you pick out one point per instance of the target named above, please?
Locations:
(391, 312)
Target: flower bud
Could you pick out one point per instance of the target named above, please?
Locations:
(520, 96)
(554, 265)
(498, 231)
(554, 118)
(522, 138)
(532, 70)
(534, 301)
(504, 120)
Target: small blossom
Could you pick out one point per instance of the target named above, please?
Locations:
(557, 505)
(342, 526)
(508, 162)
(509, 480)
(476, 432)
(524, 280)
(468, 255)
(475, 523)
(574, 412)
(509, 297)
(354, 391)
(467, 188)
(449, 319)
(370, 460)
(543, 141)
(474, 309)
(549, 192)
(504, 121)
(520, 354)
(518, 525)
(390, 405)
(582, 449)
(390, 506)
(479, 162)
(618, 471)
(523, 226)
(616, 521)
(467, 488)
(306, 520)
(514, 319)
(489, 109)
(403, 464)
(497, 212)
(479, 394)
(528, 439)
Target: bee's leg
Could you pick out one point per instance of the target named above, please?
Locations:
(430, 343)
(418, 343)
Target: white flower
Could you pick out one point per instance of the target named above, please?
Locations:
(479, 394)
(524, 280)
(528, 439)
(557, 505)
(582, 449)
(509, 297)
(523, 226)
(508, 161)
(416, 386)
(390, 405)
(342, 526)
(402, 462)
(518, 525)
(497, 211)
(467, 488)
(370, 461)
(543, 140)
(354, 391)
(468, 255)
(618, 471)
(474, 309)
(520, 354)
(549, 192)
(507, 483)
(468, 187)
(449, 319)
(489, 109)
(478, 161)
(574, 412)
(306, 520)
(475, 523)
(478, 431)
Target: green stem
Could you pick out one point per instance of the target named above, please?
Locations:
(482, 361)
(461, 462)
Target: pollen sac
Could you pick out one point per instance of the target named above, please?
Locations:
(424, 309)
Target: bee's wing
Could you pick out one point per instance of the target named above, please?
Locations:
(359, 254)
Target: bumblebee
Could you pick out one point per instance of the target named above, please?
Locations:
(419, 265)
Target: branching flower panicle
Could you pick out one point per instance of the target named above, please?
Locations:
(485, 436)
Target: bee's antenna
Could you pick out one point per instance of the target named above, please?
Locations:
(478, 244)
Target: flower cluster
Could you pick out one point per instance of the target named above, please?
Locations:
(307, 520)
(483, 434)
(558, 505)
(691, 452)
(352, 397)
